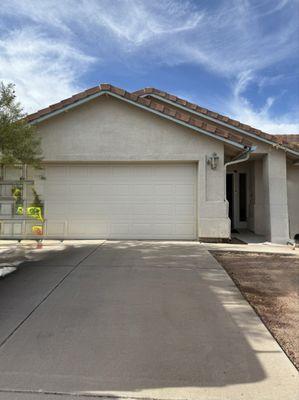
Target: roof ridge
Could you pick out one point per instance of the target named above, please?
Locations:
(215, 115)
(181, 116)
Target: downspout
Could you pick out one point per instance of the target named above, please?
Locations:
(239, 158)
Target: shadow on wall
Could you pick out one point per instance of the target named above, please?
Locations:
(133, 316)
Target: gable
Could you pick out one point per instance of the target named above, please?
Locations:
(181, 118)
(107, 129)
(177, 110)
(231, 126)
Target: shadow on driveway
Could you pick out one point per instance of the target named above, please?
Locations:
(130, 316)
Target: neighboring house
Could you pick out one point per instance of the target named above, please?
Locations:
(149, 165)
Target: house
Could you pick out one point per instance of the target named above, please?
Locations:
(149, 165)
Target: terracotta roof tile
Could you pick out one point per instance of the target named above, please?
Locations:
(130, 96)
(172, 98)
(192, 106)
(105, 86)
(196, 122)
(145, 102)
(212, 114)
(120, 92)
(157, 106)
(78, 96)
(91, 91)
(182, 102)
(55, 107)
(223, 134)
(183, 116)
(211, 128)
(169, 111)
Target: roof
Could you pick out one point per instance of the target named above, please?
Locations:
(145, 98)
(290, 140)
(287, 140)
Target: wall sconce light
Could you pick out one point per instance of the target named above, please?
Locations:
(213, 161)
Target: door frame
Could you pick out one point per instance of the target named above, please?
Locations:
(236, 223)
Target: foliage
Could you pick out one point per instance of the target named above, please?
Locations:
(36, 200)
(19, 141)
(17, 193)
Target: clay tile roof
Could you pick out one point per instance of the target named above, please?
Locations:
(169, 111)
(288, 141)
(279, 139)
(105, 86)
(142, 100)
(196, 122)
(157, 106)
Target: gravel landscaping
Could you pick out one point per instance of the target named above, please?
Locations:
(270, 284)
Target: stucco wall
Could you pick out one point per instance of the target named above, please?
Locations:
(293, 198)
(108, 129)
(258, 206)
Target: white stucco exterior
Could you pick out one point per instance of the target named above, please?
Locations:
(109, 130)
(109, 133)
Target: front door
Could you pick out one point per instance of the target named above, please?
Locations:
(242, 200)
(237, 196)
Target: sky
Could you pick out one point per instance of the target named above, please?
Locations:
(237, 57)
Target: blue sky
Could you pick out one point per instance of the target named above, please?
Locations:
(237, 57)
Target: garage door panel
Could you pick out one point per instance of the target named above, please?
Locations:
(120, 229)
(55, 190)
(144, 172)
(142, 229)
(103, 174)
(122, 201)
(163, 229)
(54, 227)
(184, 229)
(184, 190)
(184, 209)
(147, 209)
(79, 192)
(164, 190)
(58, 209)
(56, 173)
(104, 190)
(85, 226)
(122, 173)
(142, 190)
(78, 173)
(164, 209)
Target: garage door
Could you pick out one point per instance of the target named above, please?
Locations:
(122, 201)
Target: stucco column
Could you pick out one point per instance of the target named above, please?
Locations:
(213, 220)
(259, 198)
(276, 197)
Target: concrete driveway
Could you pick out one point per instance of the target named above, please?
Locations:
(156, 320)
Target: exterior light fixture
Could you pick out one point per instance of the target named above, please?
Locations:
(213, 161)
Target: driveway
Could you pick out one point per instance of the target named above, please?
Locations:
(156, 320)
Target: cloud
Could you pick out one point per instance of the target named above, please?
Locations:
(44, 71)
(241, 109)
(227, 39)
(58, 41)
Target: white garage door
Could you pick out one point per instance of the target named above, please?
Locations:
(121, 201)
